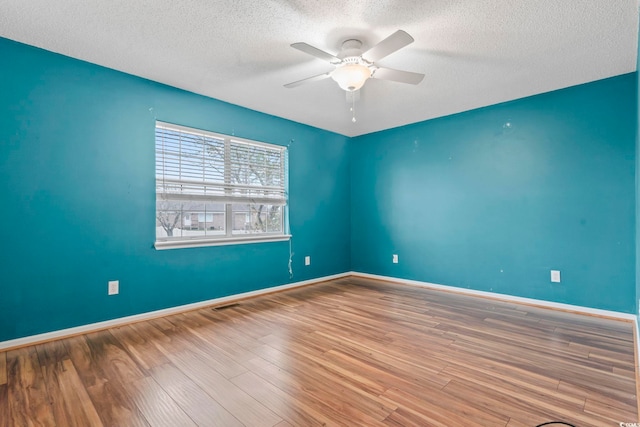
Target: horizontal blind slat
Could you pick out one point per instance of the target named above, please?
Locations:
(191, 165)
(222, 199)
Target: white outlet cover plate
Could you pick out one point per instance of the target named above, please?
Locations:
(555, 276)
(114, 287)
(307, 260)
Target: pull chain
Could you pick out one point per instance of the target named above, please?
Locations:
(353, 108)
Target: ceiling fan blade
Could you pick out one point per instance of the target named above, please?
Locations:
(394, 42)
(308, 80)
(398, 76)
(314, 51)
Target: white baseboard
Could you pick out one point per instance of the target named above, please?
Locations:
(504, 297)
(92, 327)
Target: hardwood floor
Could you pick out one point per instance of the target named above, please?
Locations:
(350, 352)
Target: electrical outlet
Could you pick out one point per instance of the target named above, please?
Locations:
(114, 287)
(555, 276)
(307, 260)
(395, 258)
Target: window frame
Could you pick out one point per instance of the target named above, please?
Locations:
(225, 192)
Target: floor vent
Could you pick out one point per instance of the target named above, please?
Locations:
(224, 307)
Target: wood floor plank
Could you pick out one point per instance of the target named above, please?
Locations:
(141, 348)
(388, 357)
(432, 413)
(331, 405)
(75, 398)
(157, 406)
(88, 368)
(333, 388)
(579, 373)
(114, 405)
(4, 406)
(51, 358)
(102, 381)
(348, 352)
(3, 367)
(510, 406)
(310, 361)
(287, 406)
(587, 393)
(179, 336)
(68, 398)
(198, 405)
(4, 397)
(216, 357)
(503, 382)
(513, 422)
(611, 412)
(114, 360)
(222, 339)
(27, 394)
(242, 406)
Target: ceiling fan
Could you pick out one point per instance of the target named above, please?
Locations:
(353, 67)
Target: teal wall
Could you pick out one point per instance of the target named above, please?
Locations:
(637, 298)
(493, 199)
(77, 196)
(490, 199)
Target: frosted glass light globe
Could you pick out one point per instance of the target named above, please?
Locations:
(351, 77)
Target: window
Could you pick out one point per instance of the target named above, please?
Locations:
(216, 189)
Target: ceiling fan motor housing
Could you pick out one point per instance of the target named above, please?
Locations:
(350, 47)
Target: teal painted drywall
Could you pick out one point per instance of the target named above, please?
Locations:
(493, 199)
(77, 194)
(490, 199)
(637, 296)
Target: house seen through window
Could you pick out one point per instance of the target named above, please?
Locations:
(217, 189)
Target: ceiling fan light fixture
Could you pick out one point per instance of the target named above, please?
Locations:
(351, 77)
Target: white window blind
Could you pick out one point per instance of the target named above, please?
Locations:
(212, 188)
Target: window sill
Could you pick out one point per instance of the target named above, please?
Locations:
(197, 243)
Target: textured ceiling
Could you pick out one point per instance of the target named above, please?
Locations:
(473, 53)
